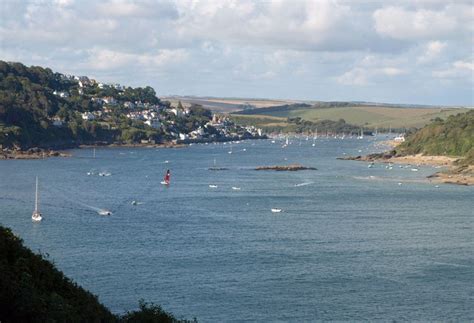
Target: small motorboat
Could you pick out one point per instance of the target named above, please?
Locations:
(213, 186)
(104, 212)
(275, 210)
(236, 188)
(134, 203)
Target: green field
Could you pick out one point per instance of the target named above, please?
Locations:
(382, 117)
(366, 116)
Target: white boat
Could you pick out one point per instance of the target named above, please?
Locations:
(36, 216)
(236, 188)
(276, 210)
(400, 138)
(213, 186)
(104, 212)
(414, 169)
(134, 203)
(104, 174)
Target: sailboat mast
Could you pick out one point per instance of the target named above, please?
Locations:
(36, 195)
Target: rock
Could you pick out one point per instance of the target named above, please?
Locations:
(291, 168)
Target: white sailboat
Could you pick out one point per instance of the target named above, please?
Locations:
(287, 142)
(361, 134)
(36, 216)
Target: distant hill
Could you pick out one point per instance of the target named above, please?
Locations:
(451, 137)
(33, 290)
(367, 115)
(226, 105)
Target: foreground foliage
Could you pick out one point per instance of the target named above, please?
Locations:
(33, 290)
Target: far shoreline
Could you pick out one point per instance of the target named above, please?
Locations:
(44, 153)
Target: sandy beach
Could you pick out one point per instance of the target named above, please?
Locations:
(450, 174)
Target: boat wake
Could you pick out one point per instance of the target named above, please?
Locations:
(303, 184)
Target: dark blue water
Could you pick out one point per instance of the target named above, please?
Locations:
(351, 243)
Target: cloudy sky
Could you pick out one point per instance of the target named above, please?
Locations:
(400, 51)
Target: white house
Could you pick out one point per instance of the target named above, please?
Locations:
(154, 123)
(88, 116)
(58, 122)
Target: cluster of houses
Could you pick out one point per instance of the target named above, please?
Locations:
(162, 117)
(221, 127)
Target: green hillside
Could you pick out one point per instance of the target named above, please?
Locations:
(451, 137)
(368, 116)
(296, 125)
(33, 290)
(42, 108)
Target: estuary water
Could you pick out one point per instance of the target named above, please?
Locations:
(351, 242)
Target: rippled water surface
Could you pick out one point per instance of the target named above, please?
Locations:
(351, 242)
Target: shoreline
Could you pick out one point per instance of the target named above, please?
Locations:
(451, 173)
(43, 153)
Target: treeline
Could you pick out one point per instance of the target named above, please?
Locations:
(340, 126)
(451, 137)
(33, 290)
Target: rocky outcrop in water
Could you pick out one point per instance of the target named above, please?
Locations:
(291, 168)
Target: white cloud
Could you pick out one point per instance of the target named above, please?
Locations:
(432, 50)
(105, 59)
(399, 23)
(463, 70)
(464, 65)
(371, 69)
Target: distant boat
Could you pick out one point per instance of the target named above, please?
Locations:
(361, 134)
(215, 167)
(134, 203)
(230, 151)
(236, 188)
(104, 212)
(400, 138)
(276, 210)
(167, 178)
(36, 216)
(93, 153)
(213, 186)
(414, 169)
(104, 174)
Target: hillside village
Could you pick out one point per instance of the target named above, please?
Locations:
(159, 116)
(40, 108)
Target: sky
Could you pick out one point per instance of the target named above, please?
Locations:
(397, 51)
